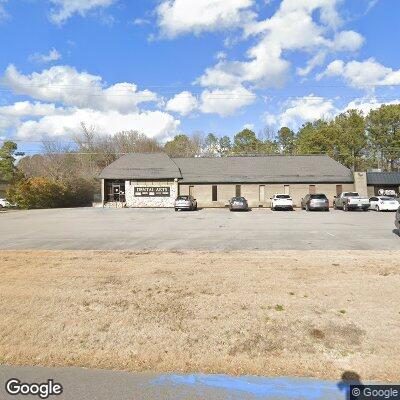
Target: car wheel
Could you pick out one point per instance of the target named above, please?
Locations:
(378, 209)
(307, 207)
(334, 206)
(176, 209)
(345, 207)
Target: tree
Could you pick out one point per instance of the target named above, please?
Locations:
(182, 146)
(211, 146)
(225, 146)
(7, 161)
(383, 127)
(246, 143)
(350, 139)
(287, 141)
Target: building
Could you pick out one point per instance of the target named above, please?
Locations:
(383, 182)
(155, 180)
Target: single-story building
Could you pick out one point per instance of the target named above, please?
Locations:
(155, 180)
(383, 182)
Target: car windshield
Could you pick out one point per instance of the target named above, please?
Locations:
(239, 199)
(387, 198)
(352, 194)
(183, 198)
(318, 196)
(282, 196)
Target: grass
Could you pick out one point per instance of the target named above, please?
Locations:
(202, 312)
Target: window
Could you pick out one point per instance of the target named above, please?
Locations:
(191, 191)
(287, 189)
(238, 191)
(339, 189)
(262, 193)
(318, 196)
(312, 189)
(214, 193)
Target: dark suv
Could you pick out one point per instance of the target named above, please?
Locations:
(315, 202)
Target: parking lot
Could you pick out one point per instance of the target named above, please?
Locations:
(207, 229)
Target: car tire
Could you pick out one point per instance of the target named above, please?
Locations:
(334, 206)
(176, 209)
(307, 207)
(345, 207)
(327, 209)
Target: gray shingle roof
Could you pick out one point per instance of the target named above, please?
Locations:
(265, 169)
(383, 178)
(142, 166)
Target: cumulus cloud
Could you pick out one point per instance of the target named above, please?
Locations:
(367, 104)
(66, 85)
(52, 56)
(176, 17)
(3, 13)
(304, 109)
(225, 102)
(152, 123)
(183, 103)
(294, 27)
(362, 74)
(64, 9)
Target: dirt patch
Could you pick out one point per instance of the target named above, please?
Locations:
(308, 313)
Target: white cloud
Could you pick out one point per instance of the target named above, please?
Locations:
(66, 85)
(183, 103)
(3, 13)
(367, 104)
(154, 124)
(176, 17)
(304, 109)
(297, 25)
(64, 9)
(26, 108)
(225, 102)
(362, 74)
(347, 41)
(53, 55)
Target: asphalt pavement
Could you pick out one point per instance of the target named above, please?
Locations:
(83, 384)
(207, 229)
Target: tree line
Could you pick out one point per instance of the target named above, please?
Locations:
(67, 175)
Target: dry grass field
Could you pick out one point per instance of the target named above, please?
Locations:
(298, 313)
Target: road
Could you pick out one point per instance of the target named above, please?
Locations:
(208, 229)
(81, 384)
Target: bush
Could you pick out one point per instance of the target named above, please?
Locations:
(49, 193)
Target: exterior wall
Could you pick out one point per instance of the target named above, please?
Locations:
(203, 192)
(151, 202)
(360, 183)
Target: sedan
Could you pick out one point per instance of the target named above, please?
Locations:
(384, 203)
(281, 202)
(315, 202)
(4, 203)
(238, 204)
(185, 203)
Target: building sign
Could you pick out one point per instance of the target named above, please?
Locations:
(152, 191)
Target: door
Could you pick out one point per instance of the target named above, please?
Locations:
(312, 189)
(262, 193)
(339, 190)
(287, 189)
(238, 191)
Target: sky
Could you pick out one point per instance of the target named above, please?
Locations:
(164, 67)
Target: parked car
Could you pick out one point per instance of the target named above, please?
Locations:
(185, 203)
(397, 220)
(238, 204)
(281, 202)
(4, 203)
(315, 202)
(351, 201)
(384, 203)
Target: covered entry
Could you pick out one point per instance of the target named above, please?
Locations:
(114, 191)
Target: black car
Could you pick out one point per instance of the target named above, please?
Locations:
(315, 202)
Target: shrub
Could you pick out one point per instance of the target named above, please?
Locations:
(49, 193)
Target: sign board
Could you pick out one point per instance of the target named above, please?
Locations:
(152, 191)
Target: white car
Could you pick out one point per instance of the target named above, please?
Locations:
(4, 203)
(384, 203)
(281, 202)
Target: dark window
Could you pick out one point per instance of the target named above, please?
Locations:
(282, 196)
(214, 193)
(238, 190)
(339, 189)
(312, 189)
(318, 196)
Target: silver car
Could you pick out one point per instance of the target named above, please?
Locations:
(238, 204)
(185, 203)
(315, 202)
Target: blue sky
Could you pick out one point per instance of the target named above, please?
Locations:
(164, 67)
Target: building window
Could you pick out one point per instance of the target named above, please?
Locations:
(339, 189)
(312, 189)
(287, 189)
(191, 191)
(238, 190)
(214, 193)
(262, 193)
